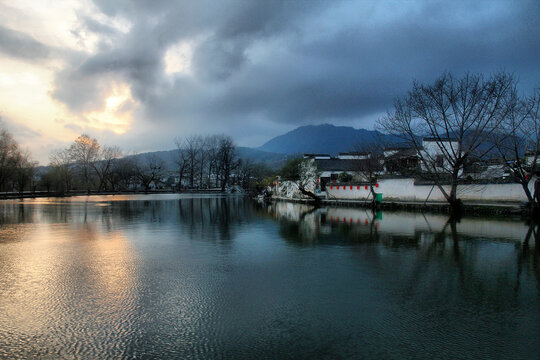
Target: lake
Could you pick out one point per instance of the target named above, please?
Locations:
(203, 277)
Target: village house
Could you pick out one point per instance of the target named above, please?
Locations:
(401, 161)
(405, 162)
(330, 168)
(433, 151)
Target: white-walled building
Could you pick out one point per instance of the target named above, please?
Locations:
(435, 151)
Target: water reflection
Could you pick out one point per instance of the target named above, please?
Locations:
(214, 218)
(221, 277)
(478, 257)
(393, 227)
(62, 297)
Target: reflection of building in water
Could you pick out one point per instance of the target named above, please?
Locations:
(482, 260)
(411, 224)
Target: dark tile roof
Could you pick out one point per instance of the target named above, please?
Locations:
(404, 153)
(339, 165)
(313, 155)
(356, 153)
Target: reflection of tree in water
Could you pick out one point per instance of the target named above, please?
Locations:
(13, 217)
(16, 212)
(528, 256)
(433, 262)
(200, 217)
(311, 225)
(216, 218)
(450, 268)
(302, 231)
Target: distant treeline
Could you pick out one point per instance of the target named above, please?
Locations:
(86, 165)
(16, 166)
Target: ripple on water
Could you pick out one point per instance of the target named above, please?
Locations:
(181, 278)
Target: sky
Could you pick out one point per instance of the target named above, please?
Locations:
(139, 73)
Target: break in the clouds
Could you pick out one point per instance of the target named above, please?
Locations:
(138, 73)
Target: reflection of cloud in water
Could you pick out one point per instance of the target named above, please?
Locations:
(69, 281)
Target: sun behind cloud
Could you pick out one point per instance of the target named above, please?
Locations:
(178, 58)
(117, 114)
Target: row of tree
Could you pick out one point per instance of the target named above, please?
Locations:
(84, 165)
(200, 162)
(212, 162)
(206, 162)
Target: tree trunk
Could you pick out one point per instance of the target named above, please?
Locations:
(373, 194)
(310, 194)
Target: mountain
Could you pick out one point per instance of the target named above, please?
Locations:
(327, 139)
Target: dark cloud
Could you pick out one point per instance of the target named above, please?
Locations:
(271, 63)
(20, 45)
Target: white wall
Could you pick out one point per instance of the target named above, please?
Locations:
(406, 190)
(432, 149)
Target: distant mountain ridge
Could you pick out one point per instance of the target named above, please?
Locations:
(326, 138)
(272, 160)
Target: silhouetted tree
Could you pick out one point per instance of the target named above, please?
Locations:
(9, 151)
(24, 170)
(226, 156)
(84, 152)
(103, 165)
(61, 170)
(123, 174)
(468, 110)
(148, 171)
(522, 130)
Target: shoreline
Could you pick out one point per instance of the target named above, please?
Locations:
(45, 194)
(469, 208)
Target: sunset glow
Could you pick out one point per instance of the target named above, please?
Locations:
(117, 114)
(138, 74)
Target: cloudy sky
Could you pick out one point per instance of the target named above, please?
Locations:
(137, 73)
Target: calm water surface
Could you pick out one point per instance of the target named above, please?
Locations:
(176, 276)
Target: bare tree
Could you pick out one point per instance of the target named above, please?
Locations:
(103, 164)
(61, 164)
(522, 130)
(245, 169)
(181, 160)
(192, 149)
(213, 159)
(204, 159)
(226, 160)
(467, 110)
(369, 165)
(24, 170)
(123, 173)
(9, 151)
(148, 171)
(84, 152)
